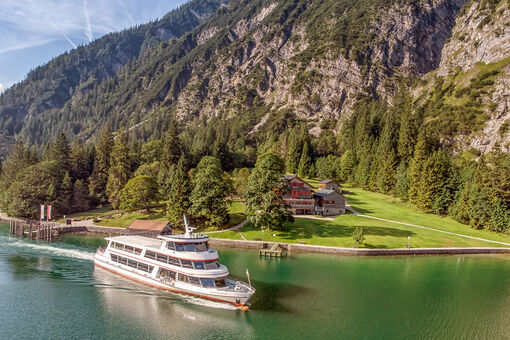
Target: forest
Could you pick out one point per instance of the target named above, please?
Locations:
(393, 149)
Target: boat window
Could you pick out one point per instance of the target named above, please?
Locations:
(114, 257)
(129, 249)
(186, 264)
(150, 255)
(122, 260)
(211, 264)
(174, 261)
(179, 247)
(119, 246)
(182, 277)
(151, 268)
(138, 251)
(143, 266)
(194, 280)
(207, 282)
(189, 247)
(162, 258)
(168, 273)
(170, 245)
(132, 263)
(199, 265)
(220, 283)
(201, 246)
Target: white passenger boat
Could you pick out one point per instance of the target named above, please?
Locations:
(181, 263)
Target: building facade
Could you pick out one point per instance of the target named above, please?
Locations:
(299, 196)
(327, 201)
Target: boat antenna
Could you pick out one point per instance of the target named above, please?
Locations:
(188, 228)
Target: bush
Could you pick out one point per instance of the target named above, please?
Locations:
(358, 236)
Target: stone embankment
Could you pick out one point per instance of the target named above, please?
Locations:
(293, 248)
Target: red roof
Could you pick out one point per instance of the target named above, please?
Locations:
(148, 225)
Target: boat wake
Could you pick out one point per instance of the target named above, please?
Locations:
(8, 245)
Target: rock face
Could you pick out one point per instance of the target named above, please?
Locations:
(482, 35)
(405, 41)
(257, 57)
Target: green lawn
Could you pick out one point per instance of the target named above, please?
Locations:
(388, 207)
(378, 234)
(108, 217)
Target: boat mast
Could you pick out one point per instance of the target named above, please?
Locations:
(188, 228)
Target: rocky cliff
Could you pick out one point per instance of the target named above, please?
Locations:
(313, 58)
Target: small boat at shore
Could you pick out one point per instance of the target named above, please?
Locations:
(180, 263)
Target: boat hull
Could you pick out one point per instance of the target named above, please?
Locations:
(237, 299)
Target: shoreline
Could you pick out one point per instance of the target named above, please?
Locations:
(295, 248)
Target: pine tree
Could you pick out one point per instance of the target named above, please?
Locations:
(426, 145)
(80, 197)
(172, 149)
(293, 152)
(305, 162)
(79, 161)
(178, 199)
(120, 170)
(64, 198)
(59, 151)
(347, 165)
(402, 182)
(433, 183)
(99, 177)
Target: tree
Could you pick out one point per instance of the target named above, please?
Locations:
(64, 197)
(426, 145)
(59, 151)
(178, 199)
(80, 197)
(305, 162)
(240, 181)
(265, 205)
(347, 165)
(172, 149)
(402, 182)
(139, 193)
(79, 162)
(99, 178)
(430, 187)
(358, 236)
(120, 169)
(209, 197)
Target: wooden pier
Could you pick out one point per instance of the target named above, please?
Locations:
(273, 251)
(38, 231)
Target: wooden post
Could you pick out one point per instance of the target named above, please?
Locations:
(38, 231)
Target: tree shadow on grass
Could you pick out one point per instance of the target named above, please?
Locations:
(357, 203)
(309, 229)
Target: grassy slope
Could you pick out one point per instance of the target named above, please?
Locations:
(378, 234)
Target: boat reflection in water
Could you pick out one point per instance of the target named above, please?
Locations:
(163, 312)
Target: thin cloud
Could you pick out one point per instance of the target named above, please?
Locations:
(88, 28)
(25, 46)
(127, 12)
(2, 89)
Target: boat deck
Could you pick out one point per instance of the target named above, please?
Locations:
(137, 241)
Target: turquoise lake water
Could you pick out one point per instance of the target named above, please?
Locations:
(53, 291)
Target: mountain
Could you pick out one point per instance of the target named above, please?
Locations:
(49, 88)
(250, 66)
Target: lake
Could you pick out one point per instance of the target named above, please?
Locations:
(52, 291)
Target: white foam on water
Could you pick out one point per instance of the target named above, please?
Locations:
(52, 250)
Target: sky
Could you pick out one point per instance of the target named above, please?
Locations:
(32, 32)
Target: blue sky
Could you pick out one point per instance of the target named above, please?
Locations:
(34, 31)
